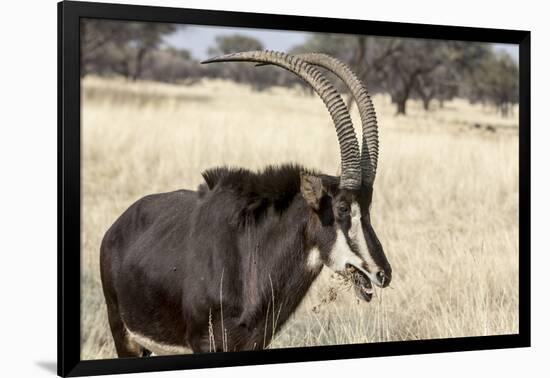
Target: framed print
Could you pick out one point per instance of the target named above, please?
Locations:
(239, 188)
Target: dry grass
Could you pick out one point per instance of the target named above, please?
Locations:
(445, 206)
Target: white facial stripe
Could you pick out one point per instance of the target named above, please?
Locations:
(357, 235)
(314, 261)
(341, 254)
(156, 347)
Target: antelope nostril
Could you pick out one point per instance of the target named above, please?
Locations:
(384, 277)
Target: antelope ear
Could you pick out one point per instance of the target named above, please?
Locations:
(312, 189)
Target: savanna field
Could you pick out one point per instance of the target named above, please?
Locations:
(445, 204)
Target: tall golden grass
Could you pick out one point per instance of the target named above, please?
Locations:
(445, 204)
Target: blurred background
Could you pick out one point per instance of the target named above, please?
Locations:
(432, 71)
(445, 203)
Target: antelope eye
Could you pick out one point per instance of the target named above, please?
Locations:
(343, 209)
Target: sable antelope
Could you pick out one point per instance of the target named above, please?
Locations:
(222, 268)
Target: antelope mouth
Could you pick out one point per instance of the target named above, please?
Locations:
(361, 283)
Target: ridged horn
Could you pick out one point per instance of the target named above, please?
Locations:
(349, 147)
(369, 151)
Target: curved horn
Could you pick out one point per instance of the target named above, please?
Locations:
(369, 151)
(349, 148)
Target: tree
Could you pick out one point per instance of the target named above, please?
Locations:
(234, 43)
(428, 69)
(411, 60)
(495, 80)
(99, 41)
(340, 46)
(227, 44)
(119, 47)
(365, 55)
(172, 65)
(145, 37)
(447, 80)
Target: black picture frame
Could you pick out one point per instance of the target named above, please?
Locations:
(69, 209)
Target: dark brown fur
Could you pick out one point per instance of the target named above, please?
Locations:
(174, 262)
